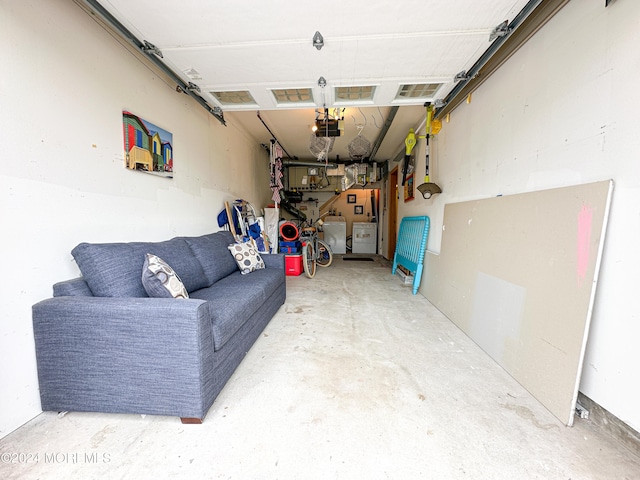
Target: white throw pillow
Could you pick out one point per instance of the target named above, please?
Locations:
(246, 256)
(159, 279)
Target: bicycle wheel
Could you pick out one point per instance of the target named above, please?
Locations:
(325, 255)
(308, 262)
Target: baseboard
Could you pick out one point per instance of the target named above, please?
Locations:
(611, 424)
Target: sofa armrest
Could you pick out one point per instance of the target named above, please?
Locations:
(274, 260)
(142, 355)
(73, 287)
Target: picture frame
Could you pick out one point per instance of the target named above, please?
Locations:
(351, 198)
(147, 147)
(409, 193)
(358, 210)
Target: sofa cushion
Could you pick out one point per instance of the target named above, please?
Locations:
(246, 256)
(113, 269)
(160, 280)
(211, 251)
(235, 298)
(268, 280)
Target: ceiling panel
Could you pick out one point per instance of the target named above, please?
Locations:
(344, 62)
(203, 22)
(257, 46)
(268, 44)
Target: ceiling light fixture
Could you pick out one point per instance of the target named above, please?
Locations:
(327, 125)
(318, 40)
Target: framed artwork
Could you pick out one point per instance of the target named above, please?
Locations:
(358, 210)
(147, 147)
(351, 198)
(409, 189)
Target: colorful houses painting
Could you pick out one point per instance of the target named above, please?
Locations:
(146, 146)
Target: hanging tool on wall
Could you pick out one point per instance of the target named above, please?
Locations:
(427, 189)
(409, 142)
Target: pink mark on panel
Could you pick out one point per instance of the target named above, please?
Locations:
(584, 241)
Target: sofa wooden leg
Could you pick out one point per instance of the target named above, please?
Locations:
(190, 420)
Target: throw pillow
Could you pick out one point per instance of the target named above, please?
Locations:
(160, 280)
(246, 256)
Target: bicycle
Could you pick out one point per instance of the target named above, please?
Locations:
(314, 251)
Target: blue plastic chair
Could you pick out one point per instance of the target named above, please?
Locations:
(411, 246)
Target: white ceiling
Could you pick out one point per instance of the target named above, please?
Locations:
(258, 45)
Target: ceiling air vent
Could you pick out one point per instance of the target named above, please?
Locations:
(417, 90)
(240, 97)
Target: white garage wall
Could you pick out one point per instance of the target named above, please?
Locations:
(64, 85)
(563, 111)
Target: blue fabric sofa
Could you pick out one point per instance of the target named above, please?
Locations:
(103, 345)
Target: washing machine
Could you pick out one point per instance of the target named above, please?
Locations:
(335, 234)
(364, 237)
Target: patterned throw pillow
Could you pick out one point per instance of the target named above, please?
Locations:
(246, 256)
(159, 279)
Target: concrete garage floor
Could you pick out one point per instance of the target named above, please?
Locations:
(354, 378)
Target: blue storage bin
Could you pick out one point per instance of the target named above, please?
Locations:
(290, 247)
(295, 244)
